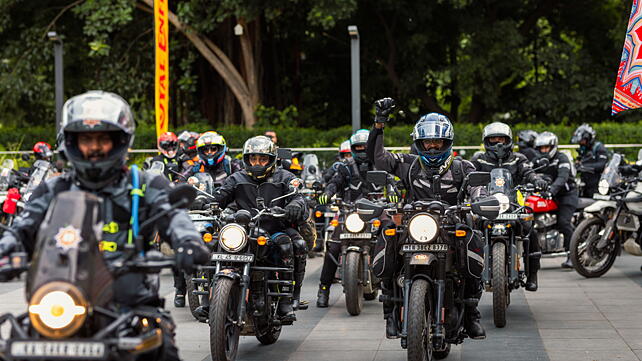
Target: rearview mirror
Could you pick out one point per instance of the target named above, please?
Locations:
(378, 177)
(476, 179)
(284, 153)
(488, 207)
(182, 195)
(368, 210)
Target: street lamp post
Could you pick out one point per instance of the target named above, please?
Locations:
(58, 71)
(355, 77)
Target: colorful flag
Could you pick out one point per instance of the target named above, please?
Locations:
(161, 39)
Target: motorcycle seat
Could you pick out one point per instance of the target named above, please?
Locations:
(584, 202)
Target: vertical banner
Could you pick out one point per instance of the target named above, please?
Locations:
(628, 86)
(161, 46)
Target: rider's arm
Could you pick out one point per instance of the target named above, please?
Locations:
(563, 173)
(224, 194)
(598, 161)
(338, 182)
(474, 193)
(380, 157)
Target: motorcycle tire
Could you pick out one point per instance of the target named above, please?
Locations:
(500, 288)
(269, 336)
(579, 244)
(440, 355)
(419, 322)
(352, 284)
(224, 335)
(194, 301)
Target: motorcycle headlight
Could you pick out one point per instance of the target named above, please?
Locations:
(603, 187)
(354, 224)
(57, 309)
(232, 237)
(423, 228)
(504, 202)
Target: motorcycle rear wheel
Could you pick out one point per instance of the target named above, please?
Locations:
(582, 249)
(224, 334)
(352, 284)
(420, 322)
(500, 289)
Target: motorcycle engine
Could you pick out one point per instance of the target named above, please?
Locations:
(545, 220)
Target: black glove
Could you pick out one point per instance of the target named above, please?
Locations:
(172, 167)
(545, 195)
(540, 183)
(294, 211)
(191, 253)
(383, 108)
(629, 170)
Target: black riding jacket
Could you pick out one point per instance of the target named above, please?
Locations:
(517, 164)
(560, 172)
(349, 181)
(592, 159)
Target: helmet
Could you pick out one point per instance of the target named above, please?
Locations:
(344, 148)
(547, 139)
(168, 144)
(360, 137)
(526, 138)
(42, 151)
(583, 132)
(498, 151)
(211, 141)
(187, 143)
(97, 112)
(434, 126)
(259, 145)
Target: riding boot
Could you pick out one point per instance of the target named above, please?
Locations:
(391, 327)
(567, 264)
(473, 325)
(323, 296)
(179, 298)
(531, 280)
(286, 311)
(296, 294)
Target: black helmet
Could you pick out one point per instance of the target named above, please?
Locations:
(360, 137)
(547, 139)
(498, 151)
(259, 145)
(438, 127)
(526, 139)
(584, 132)
(97, 111)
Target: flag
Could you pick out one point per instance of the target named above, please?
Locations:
(161, 46)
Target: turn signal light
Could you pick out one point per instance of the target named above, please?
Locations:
(460, 233)
(390, 232)
(334, 223)
(207, 237)
(376, 223)
(318, 214)
(261, 241)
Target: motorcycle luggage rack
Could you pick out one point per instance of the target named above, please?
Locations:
(279, 294)
(200, 280)
(273, 269)
(200, 293)
(281, 282)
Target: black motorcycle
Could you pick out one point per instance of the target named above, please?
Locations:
(436, 242)
(72, 313)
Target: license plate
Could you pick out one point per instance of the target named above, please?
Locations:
(433, 247)
(507, 217)
(355, 236)
(55, 349)
(601, 197)
(246, 258)
(329, 214)
(200, 217)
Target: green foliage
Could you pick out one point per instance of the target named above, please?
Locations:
(271, 117)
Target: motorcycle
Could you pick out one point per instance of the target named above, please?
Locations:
(72, 314)
(436, 244)
(614, 220)
(247, 283)
(505, 243)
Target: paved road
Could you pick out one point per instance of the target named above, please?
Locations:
(570, 318)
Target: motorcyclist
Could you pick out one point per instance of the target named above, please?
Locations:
(167, 145)
(525, 143)
(433, 136)
(345, 153)
(187, 155)
(591, 160)
(562, 189)
(212, 158)
(42, 151)
(98, 128)
(262, 178)
(498, 145)
(349, 183)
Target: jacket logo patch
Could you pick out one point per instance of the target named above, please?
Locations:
(68, 238)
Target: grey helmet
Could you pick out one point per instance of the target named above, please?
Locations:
(498, 151)
(526, 139)
(97, 111)
(360, 137)
(547, 139)
(259, 145)
(584, 131)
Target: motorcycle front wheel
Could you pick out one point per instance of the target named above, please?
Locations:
(420, 322)
(352, 283)
(587, 259)
(224, 333)
(500, 289)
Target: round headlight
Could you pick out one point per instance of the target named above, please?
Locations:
(423, 228)
(232, 237)
(504, 202)
(354, 224)
(603, 187)
(57, 309)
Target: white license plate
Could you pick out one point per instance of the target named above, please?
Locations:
(355, 236)
(54, 349)
(507, 217)
(233, 257)
(601, 197)
(433, 247)
(329, 214)
(200, 217)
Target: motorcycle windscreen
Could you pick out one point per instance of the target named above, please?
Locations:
(5, 174)
(39, 174)
(611, 174)
(67, 247)
(501, 181)
(205, 182)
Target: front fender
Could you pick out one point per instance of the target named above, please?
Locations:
(235, 276)
(354, 249)
(599, 206)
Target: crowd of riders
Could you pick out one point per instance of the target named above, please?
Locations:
(98, 130)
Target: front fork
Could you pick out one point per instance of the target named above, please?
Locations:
(244, 283)
(608, 230)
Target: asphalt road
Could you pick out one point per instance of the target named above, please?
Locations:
(569, 318)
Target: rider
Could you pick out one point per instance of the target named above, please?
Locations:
(98, 128)
(433, 138)
(592, 158)
(42, 151)
(212, 158)
(345, 153)
(167, 145)
(562, 189)
(498, 145)
(349, 182)
(525, 142)
(187, 156)
(262, 178)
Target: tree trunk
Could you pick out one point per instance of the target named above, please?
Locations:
(249, 66)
